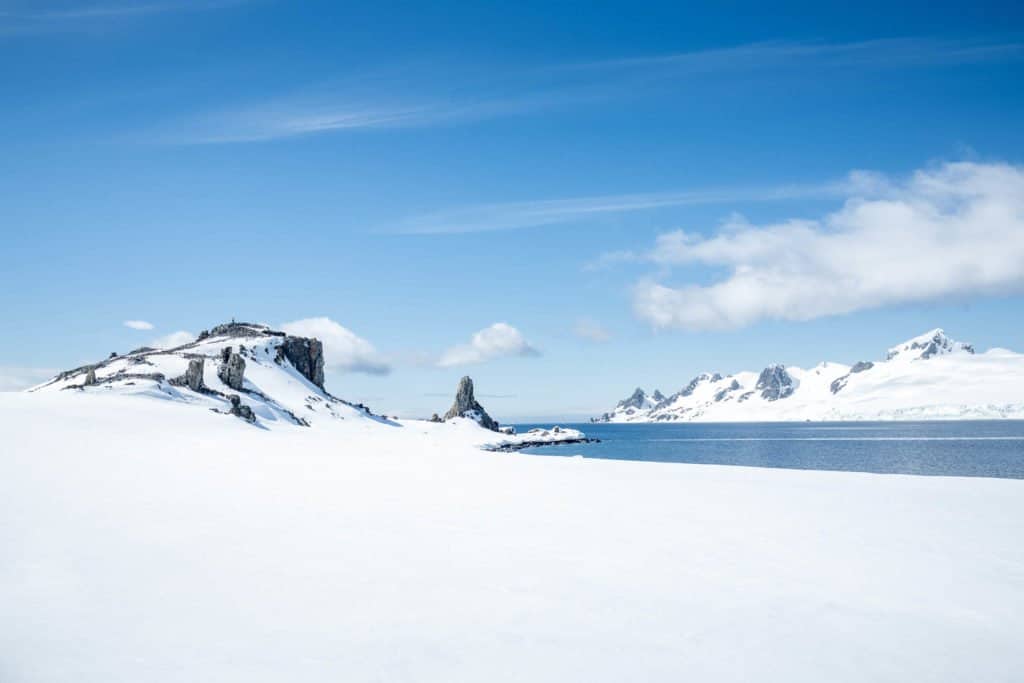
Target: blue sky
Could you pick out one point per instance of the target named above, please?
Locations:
(636, 192)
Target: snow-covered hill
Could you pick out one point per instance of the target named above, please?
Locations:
(278, 379)
(270, 380)
(928, 377)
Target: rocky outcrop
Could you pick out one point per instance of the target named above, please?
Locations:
(239, 409)
(90, 377)
(237, 329)
(193, 377)
(466, 406)
(194, 374)
(722, 393)
(306, 355)
(637, 400)
(775, 383)
(930, 344)
(232, 369)
(840, 383)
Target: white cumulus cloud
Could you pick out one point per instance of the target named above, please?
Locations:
(952, 230)
(344, 350)
(173, 340)
(138, 324)
(497, 341)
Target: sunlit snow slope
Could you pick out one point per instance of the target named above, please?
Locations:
(927, 377)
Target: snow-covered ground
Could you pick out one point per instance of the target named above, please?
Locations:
(145, 540)
(928, 377)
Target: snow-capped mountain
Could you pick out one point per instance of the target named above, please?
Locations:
(928, 377)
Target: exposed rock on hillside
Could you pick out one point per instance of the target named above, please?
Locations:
(194, 374)
(306, 355)
(774, 383)
(466, 406)
(239, 409)
(232, 369)
(926, 377)
(638, 399)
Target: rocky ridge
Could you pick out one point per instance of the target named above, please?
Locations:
(928, 376)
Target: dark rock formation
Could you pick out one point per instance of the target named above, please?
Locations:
(658, 396)
(840, 383)
(237, 329)
(90, 377)
(306, 355)
(232, 369)
(775, 383)
(194, 374)
(636, 400)
(932, 346)
(466, 406)
(239, 409)
(435, 418)
(722, 393)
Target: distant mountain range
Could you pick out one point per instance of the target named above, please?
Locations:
(928, 377)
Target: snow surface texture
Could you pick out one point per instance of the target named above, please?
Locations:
(145, 540)
(927, 377)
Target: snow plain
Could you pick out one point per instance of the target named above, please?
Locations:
(146, 540)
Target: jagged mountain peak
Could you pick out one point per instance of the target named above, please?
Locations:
(928, 345)
(638, 399)
(964, 384)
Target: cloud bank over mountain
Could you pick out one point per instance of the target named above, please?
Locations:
(951, 230)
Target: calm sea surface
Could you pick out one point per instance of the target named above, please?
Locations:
(968, 448)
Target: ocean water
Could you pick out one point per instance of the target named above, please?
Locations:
(989, 448)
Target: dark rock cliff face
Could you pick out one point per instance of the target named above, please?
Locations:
(306, 355)
(860, 366)
(466, 406)
(636, 400)
(775, 383)
(194, 374)
(232, 369)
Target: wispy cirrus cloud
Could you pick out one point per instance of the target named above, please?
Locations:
(953, 230)
(44, 17)
(887, 53)
(454, 94)
(527, 214)
(138, 325)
